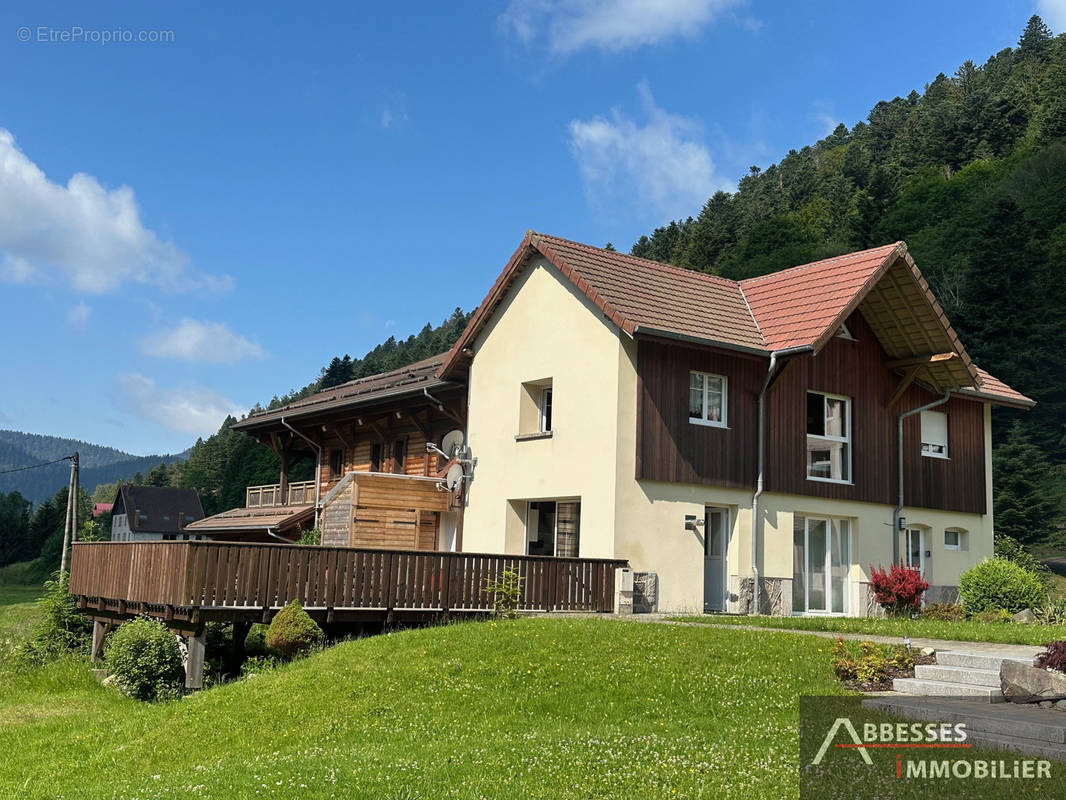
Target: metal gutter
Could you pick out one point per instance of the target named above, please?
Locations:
(739, 348)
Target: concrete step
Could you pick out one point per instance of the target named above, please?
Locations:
(919, 686)
(1038, 725)
(954, 658)
(965, 675)
(1031, 747)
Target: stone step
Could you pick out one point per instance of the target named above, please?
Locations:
(965, 675)
(1030, 747)
(1002, 718)
(956, 658)
(945, 689)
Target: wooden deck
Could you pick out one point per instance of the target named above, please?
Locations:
(188, 583)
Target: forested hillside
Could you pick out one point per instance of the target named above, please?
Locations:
(971, 173)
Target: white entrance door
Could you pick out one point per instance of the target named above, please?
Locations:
(715, 546)
(914, 549)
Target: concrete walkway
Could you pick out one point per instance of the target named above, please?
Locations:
(1014, 651)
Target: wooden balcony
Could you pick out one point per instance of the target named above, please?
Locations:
(188, 583)
(301, 493)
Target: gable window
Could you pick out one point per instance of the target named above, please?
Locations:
(336, 463)
(545, 408)
(707, 399)
(828, 437)
(935, 434)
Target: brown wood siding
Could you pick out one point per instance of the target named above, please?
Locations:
(669, 448)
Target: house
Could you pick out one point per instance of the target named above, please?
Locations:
(747, 446)
(376, 483)
(99, 509)
(146, 513)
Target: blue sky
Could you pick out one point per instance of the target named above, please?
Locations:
(193, 225)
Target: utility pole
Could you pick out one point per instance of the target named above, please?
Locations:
(70, 528)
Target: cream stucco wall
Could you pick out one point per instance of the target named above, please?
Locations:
(546, 329)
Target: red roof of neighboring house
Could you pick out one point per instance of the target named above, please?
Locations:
(799, 307)
(795, 306)
(101, 508)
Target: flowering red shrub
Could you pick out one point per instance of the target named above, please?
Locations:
(1053, 657)
(898, 590)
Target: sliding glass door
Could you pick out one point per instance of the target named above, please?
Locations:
(821, 559)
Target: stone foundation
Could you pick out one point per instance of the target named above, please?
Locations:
(942, 594)
(775, 596)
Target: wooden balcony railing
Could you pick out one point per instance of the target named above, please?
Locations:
(134, 576)
(301, 493)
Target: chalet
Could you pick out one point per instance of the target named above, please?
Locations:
(746, 446)
(376, 482)
(148, 513)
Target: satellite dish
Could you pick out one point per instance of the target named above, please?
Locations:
(453, 443)
(454, 478)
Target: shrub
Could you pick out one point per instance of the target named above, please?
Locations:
(292, 632)
(873, 664)
(1053, 657)
(992, 616)
(999, 583)
(508, 593)
(1051, 613)
(944, 612)
(312, 536)
(145, 660)
(255, 642)
(1011, 549)
(898, 590)
(868, 662)
(257, 665)
(61, 629)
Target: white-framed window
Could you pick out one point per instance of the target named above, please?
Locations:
(935, 434)
(954, 539)
(544, 406)
(821, 565)
(828, 438)
(708, 399)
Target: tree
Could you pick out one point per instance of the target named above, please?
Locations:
(1027, 499)
(1036, 39)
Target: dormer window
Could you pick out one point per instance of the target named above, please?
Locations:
(707, 399)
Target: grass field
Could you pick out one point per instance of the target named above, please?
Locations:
(966, 631)
(16, 614)
(531, 709)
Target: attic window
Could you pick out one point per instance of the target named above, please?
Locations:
(844, 333)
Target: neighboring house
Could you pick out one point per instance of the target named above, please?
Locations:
(102, 508)
(144, 513)
(737, 440)
(378, 485)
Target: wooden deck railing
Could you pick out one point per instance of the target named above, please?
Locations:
(300, 493)
(203, 574)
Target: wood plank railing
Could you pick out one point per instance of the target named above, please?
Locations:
(269, 494)
(203, 574)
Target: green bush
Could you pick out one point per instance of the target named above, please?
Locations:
(255, 642)
(292, 632)
(992, 616)
(507, 593)
(944, 612)
(1013, 550)
(145, 660)
(61, 628)
(312, 536)
(1000, 584)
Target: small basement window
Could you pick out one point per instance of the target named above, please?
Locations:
(935, 434)
(707, 399)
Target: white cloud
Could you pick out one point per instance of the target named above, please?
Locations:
(194, 410)
(572, 25)
(196, 340)
(81, 233)
(78, 317)
(1054, 14)
(662, 164)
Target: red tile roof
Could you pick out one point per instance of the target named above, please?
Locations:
(993, 388)
(796, 306)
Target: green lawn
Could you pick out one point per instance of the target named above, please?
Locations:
(16, 613)
(531, 709)
(967, 631)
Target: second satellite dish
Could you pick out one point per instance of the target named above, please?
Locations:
(454, 478)
(453, 443)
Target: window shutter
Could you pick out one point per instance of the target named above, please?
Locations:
(935, 429)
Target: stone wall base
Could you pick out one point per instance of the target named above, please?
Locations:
(775, 596)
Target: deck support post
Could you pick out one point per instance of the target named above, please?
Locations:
(100, 631)
(240, 633)
(194, 662)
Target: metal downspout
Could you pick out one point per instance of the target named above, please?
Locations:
(759, 487)
(898, 511)
(318, 466)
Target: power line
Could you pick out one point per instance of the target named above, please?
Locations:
(34, 466)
